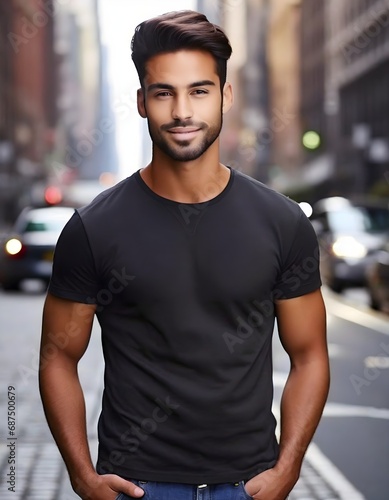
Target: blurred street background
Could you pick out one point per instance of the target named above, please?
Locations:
(310, 119)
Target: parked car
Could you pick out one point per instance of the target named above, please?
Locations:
(377, 278)
(28, 251)
(349, 234)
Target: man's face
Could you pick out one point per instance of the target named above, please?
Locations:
(183, 103)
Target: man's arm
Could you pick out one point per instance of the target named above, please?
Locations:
(66, 332)
(302, 329)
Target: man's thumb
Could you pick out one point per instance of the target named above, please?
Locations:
(132, 490)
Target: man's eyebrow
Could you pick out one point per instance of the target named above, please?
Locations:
(161, 86)
(202, 83)
(167, 86)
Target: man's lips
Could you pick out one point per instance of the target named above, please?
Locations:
(184, 133)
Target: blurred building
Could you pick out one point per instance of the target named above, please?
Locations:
(27, 99)
(312, 72)
(303, 165)
(6, 115)
(80, 133)
(343, 66)
(257, 133)
(55, 124)
(357, 97)
(285, 94)
(318, 157)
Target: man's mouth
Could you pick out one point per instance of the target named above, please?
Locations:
(184, 133)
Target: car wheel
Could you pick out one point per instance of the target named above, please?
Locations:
(374, 303)
(10, 286)
(336, 286)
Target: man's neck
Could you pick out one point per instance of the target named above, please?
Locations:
(187, 182)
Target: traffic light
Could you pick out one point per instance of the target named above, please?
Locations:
(311, 140)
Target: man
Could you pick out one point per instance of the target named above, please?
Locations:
(186, 264)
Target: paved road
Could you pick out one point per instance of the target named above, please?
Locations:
(356, 423)
(349, 456)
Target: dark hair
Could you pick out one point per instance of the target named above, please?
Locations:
(180, 30)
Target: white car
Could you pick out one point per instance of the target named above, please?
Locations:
(28, 252)
(349, 234)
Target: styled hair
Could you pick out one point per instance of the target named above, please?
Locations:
(181, 30)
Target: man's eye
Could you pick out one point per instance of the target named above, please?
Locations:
(199, 92)
(163, 94)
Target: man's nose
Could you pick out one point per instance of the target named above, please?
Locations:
(182, 109)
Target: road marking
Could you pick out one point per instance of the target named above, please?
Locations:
(354, 315)
(342, 410)
(336, 351)
(377, 362)
(339, 409)
(332, 474)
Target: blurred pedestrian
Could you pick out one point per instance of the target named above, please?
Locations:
(186, 264)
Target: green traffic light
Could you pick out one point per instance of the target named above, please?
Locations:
(311, 140)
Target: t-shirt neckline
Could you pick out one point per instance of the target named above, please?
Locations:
(168, 201)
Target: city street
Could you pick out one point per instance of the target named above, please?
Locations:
(92, 92)
(348, 460)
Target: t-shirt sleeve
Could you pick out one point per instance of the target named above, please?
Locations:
(300, 272)
(74, 274)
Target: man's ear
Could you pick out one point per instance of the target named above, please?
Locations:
(140, 101)
(228, 97)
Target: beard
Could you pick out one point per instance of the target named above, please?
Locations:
(183, 151)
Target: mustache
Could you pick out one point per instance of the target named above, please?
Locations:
(183, 124)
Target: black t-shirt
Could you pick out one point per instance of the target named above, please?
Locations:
(185, 296)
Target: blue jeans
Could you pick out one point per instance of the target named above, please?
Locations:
(179, 491)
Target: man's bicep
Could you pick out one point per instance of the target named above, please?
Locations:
(66, 328)
(302, 324)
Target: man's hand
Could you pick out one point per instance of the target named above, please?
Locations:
(271, 484)
(105, 487)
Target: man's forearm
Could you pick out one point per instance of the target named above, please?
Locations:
(302, 404)
(64, 407)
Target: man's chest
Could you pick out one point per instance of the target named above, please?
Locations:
(230, 261)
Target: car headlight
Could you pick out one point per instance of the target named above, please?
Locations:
(13, 246)
(349, 247)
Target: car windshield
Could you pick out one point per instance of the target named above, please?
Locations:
(359, 219)
(48, 225)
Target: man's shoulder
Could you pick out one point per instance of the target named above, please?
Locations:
(109, 202)
(263, 194)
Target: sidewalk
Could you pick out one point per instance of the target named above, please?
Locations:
(40, 473)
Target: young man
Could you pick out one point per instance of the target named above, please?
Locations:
(186, 264)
